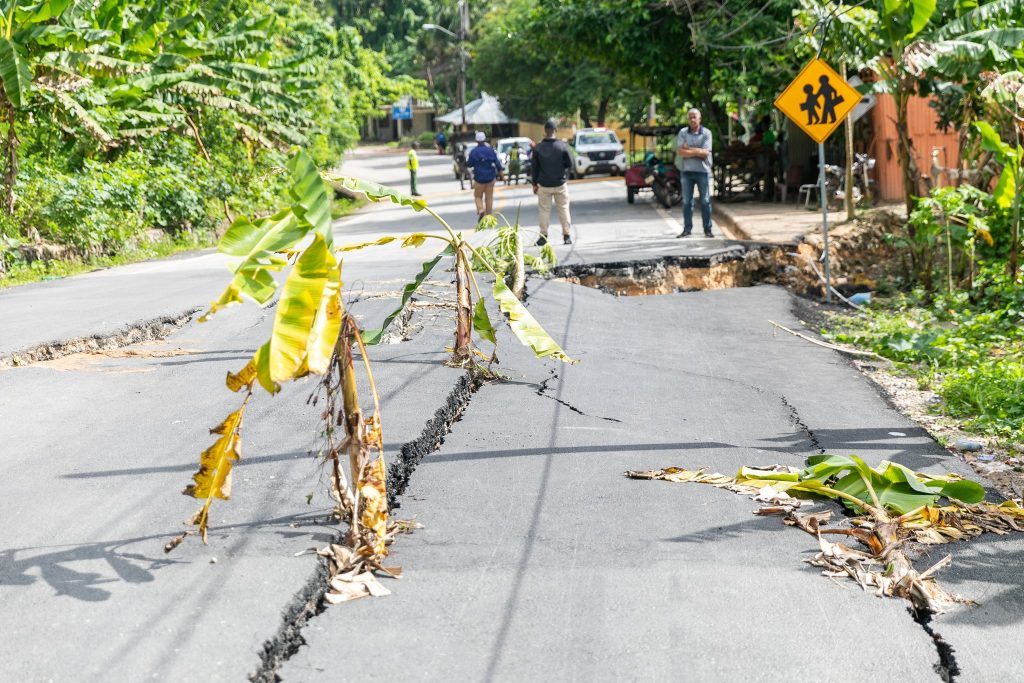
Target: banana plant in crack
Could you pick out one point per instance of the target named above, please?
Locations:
(891, 506)
(313, 334)
(470, 317)
(505, 252)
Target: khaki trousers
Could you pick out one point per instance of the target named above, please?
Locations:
(483, 197)
(561, 196)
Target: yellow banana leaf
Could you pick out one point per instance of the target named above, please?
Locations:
(244, 378)
(261, 360)
(327, 323)
(362, 245)
(415, 239)
(297, 308)
(213, 478)
(525, 327)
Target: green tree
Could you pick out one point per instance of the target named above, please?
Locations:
(519, 58)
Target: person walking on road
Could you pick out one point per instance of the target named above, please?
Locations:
(693, 159)
(486, 167)
(549, 164)
(413, 164)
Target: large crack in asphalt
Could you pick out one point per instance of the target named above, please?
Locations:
(142, 331)
(430, 439)
(739, 265)
(308, 602)
(946, 667)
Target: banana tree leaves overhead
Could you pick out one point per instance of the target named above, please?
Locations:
(483, 111)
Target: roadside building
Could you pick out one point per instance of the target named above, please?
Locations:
(384, 128)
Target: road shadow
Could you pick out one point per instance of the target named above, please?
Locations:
(60, 567)
(839, 441)
(185, 467)
(995, 563)
(755, 524)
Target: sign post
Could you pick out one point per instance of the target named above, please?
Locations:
(817, 101)
(401, 111)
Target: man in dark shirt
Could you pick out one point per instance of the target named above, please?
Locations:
(550, 162)
(486, 167)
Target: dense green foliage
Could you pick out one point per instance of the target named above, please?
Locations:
(132, 117)
(967, 345)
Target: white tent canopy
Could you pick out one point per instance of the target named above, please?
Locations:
(486, 110)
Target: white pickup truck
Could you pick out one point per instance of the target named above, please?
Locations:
(597, 150)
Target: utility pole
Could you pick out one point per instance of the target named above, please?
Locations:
(463, 32)
(461, 36)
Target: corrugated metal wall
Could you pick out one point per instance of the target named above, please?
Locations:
(924, 131)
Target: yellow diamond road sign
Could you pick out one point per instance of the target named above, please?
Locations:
(817, 100)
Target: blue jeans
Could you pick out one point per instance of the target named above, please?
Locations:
(702, 181)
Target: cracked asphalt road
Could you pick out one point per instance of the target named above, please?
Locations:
(538, 558)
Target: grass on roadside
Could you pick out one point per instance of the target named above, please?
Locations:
(343, 206)
(36, 271)
(25, 273)
(968, 347)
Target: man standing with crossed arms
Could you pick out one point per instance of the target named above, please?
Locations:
(551, 160)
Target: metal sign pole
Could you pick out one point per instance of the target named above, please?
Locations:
(824, 219)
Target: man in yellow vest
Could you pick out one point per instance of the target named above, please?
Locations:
(413, 164)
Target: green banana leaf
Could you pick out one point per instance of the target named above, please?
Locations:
(257, 245)
(377, 193)
(311, 200)
(373, 336)
(1006, 188)
(898, 488)
(923, 11)
(261, 359)
(482, 322)
(14, 73)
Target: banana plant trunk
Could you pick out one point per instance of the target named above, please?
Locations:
(905, 146)
(519, 274)
(464, 309)
(1013, 264)
(11, 152)
(352, 418)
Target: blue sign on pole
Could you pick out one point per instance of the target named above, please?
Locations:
(401, 111)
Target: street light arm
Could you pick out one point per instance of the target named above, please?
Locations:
(442, 29)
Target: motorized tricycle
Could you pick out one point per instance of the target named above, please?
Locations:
(655, 172)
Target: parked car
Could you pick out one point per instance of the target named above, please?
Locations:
(504, 147)
(521, 167)
(597, 150)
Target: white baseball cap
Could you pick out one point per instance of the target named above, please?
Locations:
(480, 136)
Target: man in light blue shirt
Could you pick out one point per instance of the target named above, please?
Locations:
(693, 159)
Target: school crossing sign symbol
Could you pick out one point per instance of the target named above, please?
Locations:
(818, 100)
